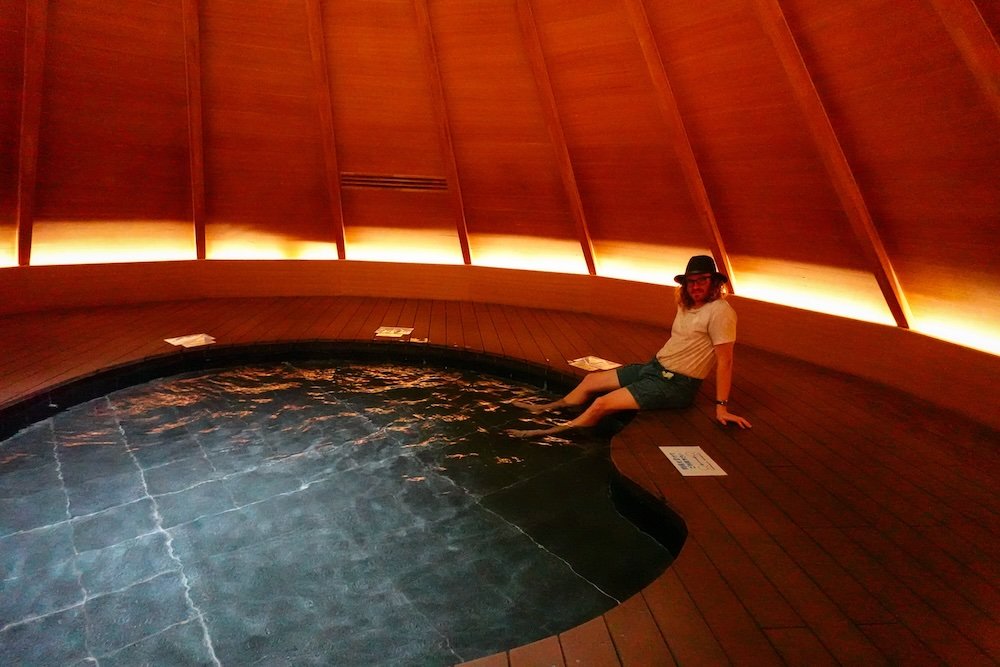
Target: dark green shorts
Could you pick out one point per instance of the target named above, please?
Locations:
(654, 387)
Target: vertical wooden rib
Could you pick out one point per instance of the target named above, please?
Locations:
(321, 74)
(976, 43)
(777, 29)
(678, 134)
(196, 142)
(426, 32)
(36, 18)
(540, 70)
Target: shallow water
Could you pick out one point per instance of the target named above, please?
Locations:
(304, 514)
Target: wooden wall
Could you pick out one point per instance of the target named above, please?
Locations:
(841, 157)
(264, 174)
(12, 23)
(113, 138)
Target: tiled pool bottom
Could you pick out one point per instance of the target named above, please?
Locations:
(304, 514)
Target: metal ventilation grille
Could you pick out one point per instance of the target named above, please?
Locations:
(353, 180)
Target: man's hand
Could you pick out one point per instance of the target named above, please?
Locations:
(724, 416)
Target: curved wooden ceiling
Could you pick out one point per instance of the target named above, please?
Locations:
(841, 157)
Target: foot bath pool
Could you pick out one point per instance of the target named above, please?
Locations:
(326, 513)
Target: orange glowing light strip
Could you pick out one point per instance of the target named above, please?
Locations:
(413, 246)
(528, 253)
(642, 262)
(110, 242)
(823, 289)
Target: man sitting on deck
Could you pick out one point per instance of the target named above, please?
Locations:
(703, 334)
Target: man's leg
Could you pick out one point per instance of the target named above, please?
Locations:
(592, 383)
(616, 401)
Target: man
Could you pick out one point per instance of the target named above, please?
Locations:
(703, 334)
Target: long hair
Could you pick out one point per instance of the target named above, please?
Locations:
(716, 291)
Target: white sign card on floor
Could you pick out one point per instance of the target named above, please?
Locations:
(593, 363)
(692, 461)
(192, 340)
(393, 332)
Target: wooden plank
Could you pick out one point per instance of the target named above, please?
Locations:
(544, 652)
(376, 318)
(948, 602)
(636, 638)
(422, 320)
(487, 330)
(495, 660)
(438, 324)
(938, 632)
(900, 645)
(589, 644)
(36, 23)
(347, 308)
(324, 103)
(916, 489)
(426, 34)
(678, 136)
(470, 326)
(454, 330)
(750, 580)
(536, 57)
(799, 646)
(690, 639)
(196, 138)
(977, 44)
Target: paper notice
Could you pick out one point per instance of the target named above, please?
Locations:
(692, 461)
(593, 364)
(192, 340)
(393, 332)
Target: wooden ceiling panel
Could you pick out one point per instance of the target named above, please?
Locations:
(113, 135)
(264, 165)
(990, 11)
(12, 17)
(508, 168)
(628, 174)
(769, 189)
(383, 105)
(924, 143)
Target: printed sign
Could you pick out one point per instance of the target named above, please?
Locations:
(593, 364)
(193, 340)
(692, 461)
(393, 332)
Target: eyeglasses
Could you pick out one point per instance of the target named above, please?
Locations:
(698, 280)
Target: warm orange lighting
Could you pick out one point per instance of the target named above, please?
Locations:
(423, 246)
(525, 252)
(822, 289)
(233, 242)
(110, 241)
(959, 328)
(8, 250)
(642, 262)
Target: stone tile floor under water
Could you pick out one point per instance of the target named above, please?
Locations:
(304, 514)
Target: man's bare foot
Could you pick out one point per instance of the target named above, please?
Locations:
(533, 408)
(531, 433)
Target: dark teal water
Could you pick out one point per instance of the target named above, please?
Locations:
(307, 514)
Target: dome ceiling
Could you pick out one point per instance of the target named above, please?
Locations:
(841, 157)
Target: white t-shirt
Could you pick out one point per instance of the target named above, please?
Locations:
(694, 335)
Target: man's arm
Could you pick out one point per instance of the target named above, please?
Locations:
(723, 385)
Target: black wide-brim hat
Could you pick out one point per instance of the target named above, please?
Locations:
(701, 264)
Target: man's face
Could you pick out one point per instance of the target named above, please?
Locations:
(698, 285)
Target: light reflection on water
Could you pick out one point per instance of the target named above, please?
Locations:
(306, 513)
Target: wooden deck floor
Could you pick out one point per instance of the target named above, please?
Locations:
(857, 525)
